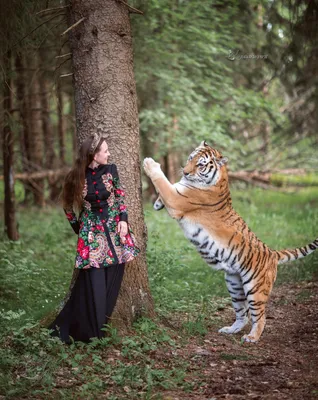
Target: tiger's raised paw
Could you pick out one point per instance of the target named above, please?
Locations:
(152, 168)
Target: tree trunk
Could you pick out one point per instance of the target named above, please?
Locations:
(46, 119)
(36, 136)
(60, 126)
(24, 135)
(51, 161)
(106, 101)
(8, 140)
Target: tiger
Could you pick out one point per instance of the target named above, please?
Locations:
(201, 203)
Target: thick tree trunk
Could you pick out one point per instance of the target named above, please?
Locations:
(8, 140)
(36, 135)
(106, 101)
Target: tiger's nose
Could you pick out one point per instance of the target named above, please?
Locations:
(185, 173)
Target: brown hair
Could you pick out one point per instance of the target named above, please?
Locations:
(74, 180)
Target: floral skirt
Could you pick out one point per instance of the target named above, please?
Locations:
(90, 304)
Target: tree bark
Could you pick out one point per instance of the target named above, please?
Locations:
(23, 105)
(106, 101)
(36, 135)
(51, 162)
(8, 140)
(60, 125)
(47, 128)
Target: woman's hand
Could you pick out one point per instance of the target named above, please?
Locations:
(122, 229)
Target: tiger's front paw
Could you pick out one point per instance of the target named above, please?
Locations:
(158, 205)
(152, 168)
(249, 339)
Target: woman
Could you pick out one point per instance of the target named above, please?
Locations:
(104, 245)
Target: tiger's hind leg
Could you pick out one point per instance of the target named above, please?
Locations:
(257, 293)
(240, 305)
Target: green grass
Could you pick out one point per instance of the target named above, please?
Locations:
(36, 272)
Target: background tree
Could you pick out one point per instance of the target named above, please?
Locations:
(8, 142)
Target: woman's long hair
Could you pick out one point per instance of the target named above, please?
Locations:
(75, 179)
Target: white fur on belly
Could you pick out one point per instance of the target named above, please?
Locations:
(208, 247)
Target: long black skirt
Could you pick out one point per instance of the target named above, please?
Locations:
(90, 305)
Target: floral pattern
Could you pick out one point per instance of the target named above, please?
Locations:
(99, 245)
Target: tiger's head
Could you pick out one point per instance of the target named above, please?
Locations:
(203, 169)
(204, 166)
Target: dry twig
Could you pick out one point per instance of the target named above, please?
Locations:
(73, 26)
(47, 10)
(131, 9)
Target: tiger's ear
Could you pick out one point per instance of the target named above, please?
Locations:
(203, 144)
(222, 161)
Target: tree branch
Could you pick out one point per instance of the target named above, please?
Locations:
(47, 10)
(63, 55)
(131, 9)
(27, 176)
(73, 26)
(36, 28)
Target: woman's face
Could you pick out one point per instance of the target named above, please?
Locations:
(101, 157)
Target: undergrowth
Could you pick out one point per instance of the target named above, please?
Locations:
(188, 295)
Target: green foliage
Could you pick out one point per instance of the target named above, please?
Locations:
(189, 90)
(196, 327)
(39, 266)
(148, 337)
(33, 363)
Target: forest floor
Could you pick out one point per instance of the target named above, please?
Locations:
(282, 365)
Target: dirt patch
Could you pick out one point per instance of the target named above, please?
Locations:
(283, 365)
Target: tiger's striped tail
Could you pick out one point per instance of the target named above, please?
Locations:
(299, 252)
